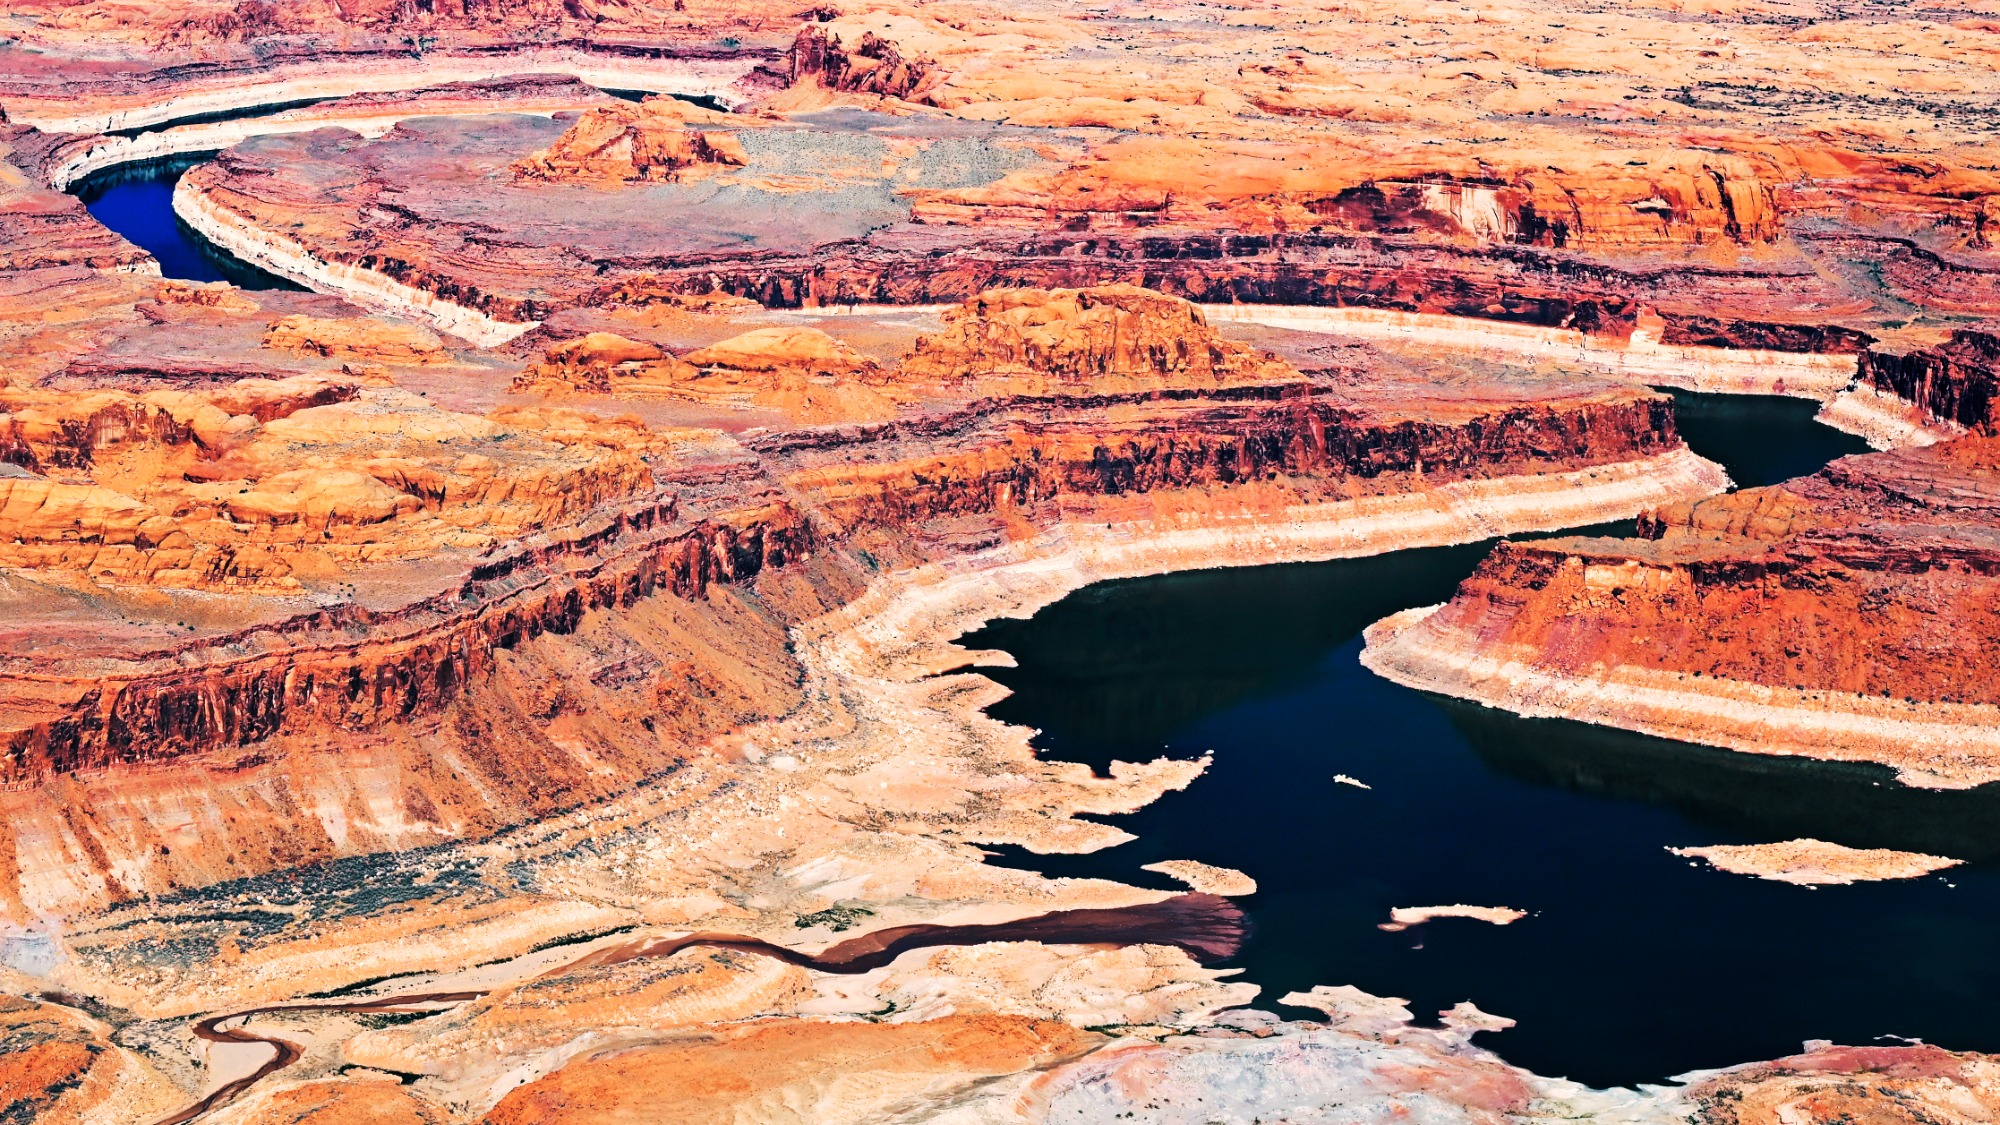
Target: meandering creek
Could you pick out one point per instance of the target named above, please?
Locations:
(1634, 965)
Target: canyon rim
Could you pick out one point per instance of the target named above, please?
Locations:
(491, 493)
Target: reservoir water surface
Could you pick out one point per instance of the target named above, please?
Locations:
(137, 201)
(1634, 965)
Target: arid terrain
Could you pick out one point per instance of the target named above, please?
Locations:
(504, 670)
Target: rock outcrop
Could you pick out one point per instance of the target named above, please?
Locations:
(1107, 336)
(874, 65)
(253, 486)
(1842, 615)
(1924, 394)
(657, 140)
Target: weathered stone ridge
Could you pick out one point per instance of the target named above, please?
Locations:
(354, 670)
(654, 141)
(1019, 454)
(1848, 614)
(1956, 383)
(1080, 336)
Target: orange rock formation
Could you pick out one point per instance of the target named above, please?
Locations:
(652, 141)
(1847, 614)
(323, 661)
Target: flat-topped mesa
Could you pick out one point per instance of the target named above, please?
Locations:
(656, 140)
(259, 484)
(1106, 335)
(1853, 614)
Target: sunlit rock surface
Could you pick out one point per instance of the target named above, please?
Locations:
(392, 675)
(1842, 615)
(1816, 862)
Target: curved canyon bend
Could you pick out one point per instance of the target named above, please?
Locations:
(1468, 804)
(705, 561)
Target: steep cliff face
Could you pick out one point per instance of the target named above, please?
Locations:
(1265, 188)
(607, 570)
(1026, 455)
(356, 670)
(1956, 383)
(1845, 614)
(255, 485)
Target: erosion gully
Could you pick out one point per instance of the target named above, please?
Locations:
(1209, 928)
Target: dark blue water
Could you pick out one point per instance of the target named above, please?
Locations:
(1635, 965)
(237, 114)
(137, 201)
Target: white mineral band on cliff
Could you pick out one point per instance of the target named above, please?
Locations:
(1643, 359)
(318, 80)
(1938, 745)
(1883, 420)
(365, 287)
(1811, 862)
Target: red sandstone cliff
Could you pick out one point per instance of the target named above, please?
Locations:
(1848, 614)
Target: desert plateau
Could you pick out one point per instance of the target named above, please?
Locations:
(1061, 562)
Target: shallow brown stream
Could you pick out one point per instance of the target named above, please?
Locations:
(1207, 927)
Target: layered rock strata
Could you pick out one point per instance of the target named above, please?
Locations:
(66, 161)
(1923, 395)
(659, 140)
(1841, 615)
(664, 671)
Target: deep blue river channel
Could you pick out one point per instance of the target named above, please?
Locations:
(137, 201)
(1634, 965)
